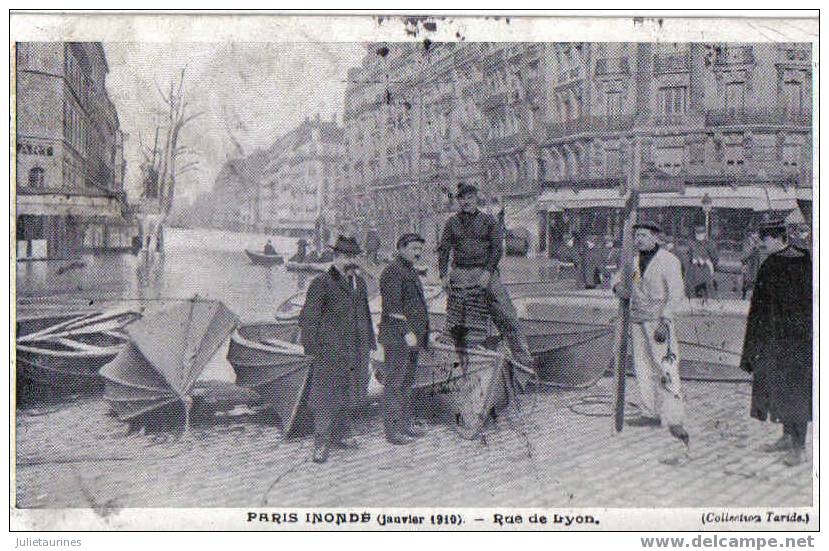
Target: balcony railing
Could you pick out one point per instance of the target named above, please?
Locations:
(612, 66)
(590, 124)
(758, 116)
(672, 64)
(678, 119)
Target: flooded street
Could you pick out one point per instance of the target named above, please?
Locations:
(210, 263)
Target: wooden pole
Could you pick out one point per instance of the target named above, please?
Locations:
(624, 288)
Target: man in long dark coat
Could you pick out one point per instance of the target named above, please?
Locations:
(337, 331)
(778, 342)
(404, 331)
(699, 265)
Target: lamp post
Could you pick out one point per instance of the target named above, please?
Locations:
(706, 209)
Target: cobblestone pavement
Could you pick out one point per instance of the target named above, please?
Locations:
(556, 451)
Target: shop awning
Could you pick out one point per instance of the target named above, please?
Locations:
(758, 198)
(49, 204)
(560, 199)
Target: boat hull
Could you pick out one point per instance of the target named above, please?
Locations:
(63, 353)
(280, 375)
(265, 259)
(315, 267)
(468, 385)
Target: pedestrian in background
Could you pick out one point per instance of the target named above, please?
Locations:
(404, 331)
(700, 265)
(338, 333)
(778, 342)
(752, 257)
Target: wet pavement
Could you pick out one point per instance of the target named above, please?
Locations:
(558, 449)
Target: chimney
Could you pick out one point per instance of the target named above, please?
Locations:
(317, 118)
(334, 117)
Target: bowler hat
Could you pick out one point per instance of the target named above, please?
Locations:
(347, 246)
(648, 225)
(407, 238)
(465, 189)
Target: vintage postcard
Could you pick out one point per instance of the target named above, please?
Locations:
(428, 272)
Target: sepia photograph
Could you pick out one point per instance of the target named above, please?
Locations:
(436, 270)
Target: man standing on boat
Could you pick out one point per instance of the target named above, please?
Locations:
(657, 291)
(404, 331)
(338, 333)
(778, 342)
(475, 240)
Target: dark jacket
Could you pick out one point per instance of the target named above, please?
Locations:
(477, 240)
(337, 331)
(697, 271)
(402, 294)
(778, 341)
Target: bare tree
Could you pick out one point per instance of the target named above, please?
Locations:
(174, 159)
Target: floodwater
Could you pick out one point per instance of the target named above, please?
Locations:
(208, 263)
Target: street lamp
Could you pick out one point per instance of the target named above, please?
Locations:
(706, 208)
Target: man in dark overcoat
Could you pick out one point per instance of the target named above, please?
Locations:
(778, 341)
(699, 265)
(404, 331)
(338, 333)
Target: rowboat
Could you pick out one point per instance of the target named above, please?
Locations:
(571, 346)
(469, 384)
(571, 335)
(294, 266)
(262, 259)
(268, 358)
(64, 352)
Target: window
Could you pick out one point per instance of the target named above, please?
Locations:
(613, 104)
(793, 96)
(36, 177)
(735, 97)
(669, 159)
(673, 100)
(734, 157)
(613, 161)
(791, 156)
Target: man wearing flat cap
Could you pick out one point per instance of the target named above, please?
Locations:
(657, 291)
(778, 342)
(338, 333)
(475, 241)
(404, 331)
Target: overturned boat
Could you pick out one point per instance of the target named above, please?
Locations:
(156, 373)
(268, 358)
(63, 353)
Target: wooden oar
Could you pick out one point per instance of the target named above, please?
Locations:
(625, 286)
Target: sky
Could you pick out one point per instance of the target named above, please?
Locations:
(256, 91)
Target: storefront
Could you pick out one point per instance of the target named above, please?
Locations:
(728, 212)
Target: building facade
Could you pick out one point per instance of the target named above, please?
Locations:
(288, 188)
(70, 153)
(546, 131)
